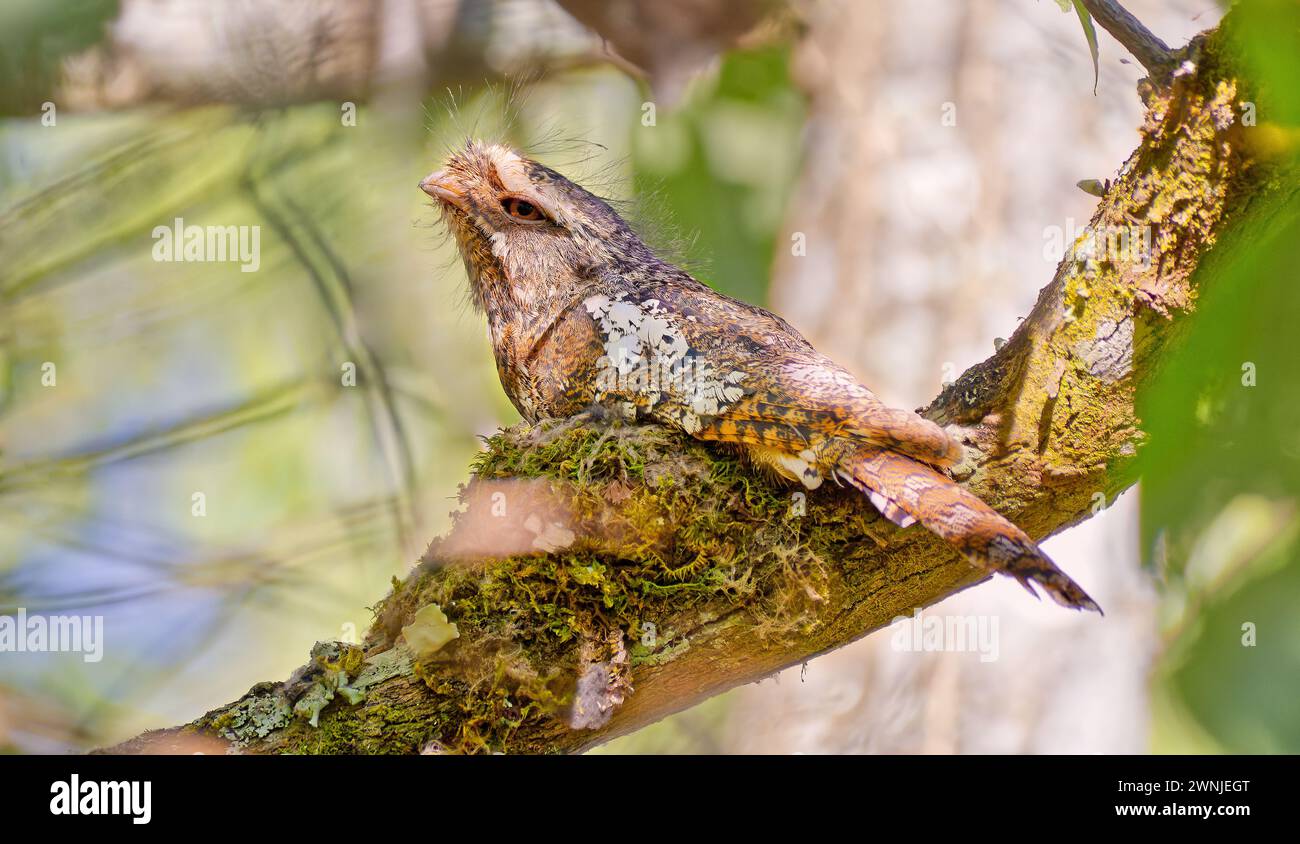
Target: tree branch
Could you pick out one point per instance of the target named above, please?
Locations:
(1144, 46)
(601, 577)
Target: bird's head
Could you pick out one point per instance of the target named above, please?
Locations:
(524, 230)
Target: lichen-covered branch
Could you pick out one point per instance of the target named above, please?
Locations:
(600, 577)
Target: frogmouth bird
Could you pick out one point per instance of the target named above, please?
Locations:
(581, 312)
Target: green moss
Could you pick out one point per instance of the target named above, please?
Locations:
(663, 525)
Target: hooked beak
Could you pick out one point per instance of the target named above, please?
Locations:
(439, 186)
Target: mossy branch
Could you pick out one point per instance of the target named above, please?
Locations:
(600, 577)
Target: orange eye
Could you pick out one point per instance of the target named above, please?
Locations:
(523, 210)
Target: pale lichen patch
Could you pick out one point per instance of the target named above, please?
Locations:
(253, 717)
(1109, 355)
(428, 631)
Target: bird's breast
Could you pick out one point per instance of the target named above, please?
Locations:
(552, 368)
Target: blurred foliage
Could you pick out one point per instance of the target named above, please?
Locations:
(725, 164)
(180, 378)
(1267, 32)
(1221, 485)
(35, 37)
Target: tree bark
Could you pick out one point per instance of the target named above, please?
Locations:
(601, 577)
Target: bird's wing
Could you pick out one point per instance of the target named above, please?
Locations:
(798, 403)
(730, 372)
(737, 374)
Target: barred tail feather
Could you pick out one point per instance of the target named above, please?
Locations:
(903, 490)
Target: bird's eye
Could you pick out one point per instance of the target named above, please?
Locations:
(522, 210)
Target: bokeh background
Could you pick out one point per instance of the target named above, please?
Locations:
(923, 151)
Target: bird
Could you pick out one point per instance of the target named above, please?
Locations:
(582, 313)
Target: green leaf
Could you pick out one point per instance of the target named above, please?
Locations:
(1089, 32)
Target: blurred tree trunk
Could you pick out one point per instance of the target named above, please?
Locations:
(925, 206)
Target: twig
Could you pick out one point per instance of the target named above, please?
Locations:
(1153, 53)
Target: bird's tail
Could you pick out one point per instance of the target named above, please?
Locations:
(905, 491)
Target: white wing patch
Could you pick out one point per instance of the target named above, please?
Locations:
(802, 468)
(648, 364)
(887, 506)
(890, 510)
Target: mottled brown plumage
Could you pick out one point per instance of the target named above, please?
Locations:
(582, 312)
